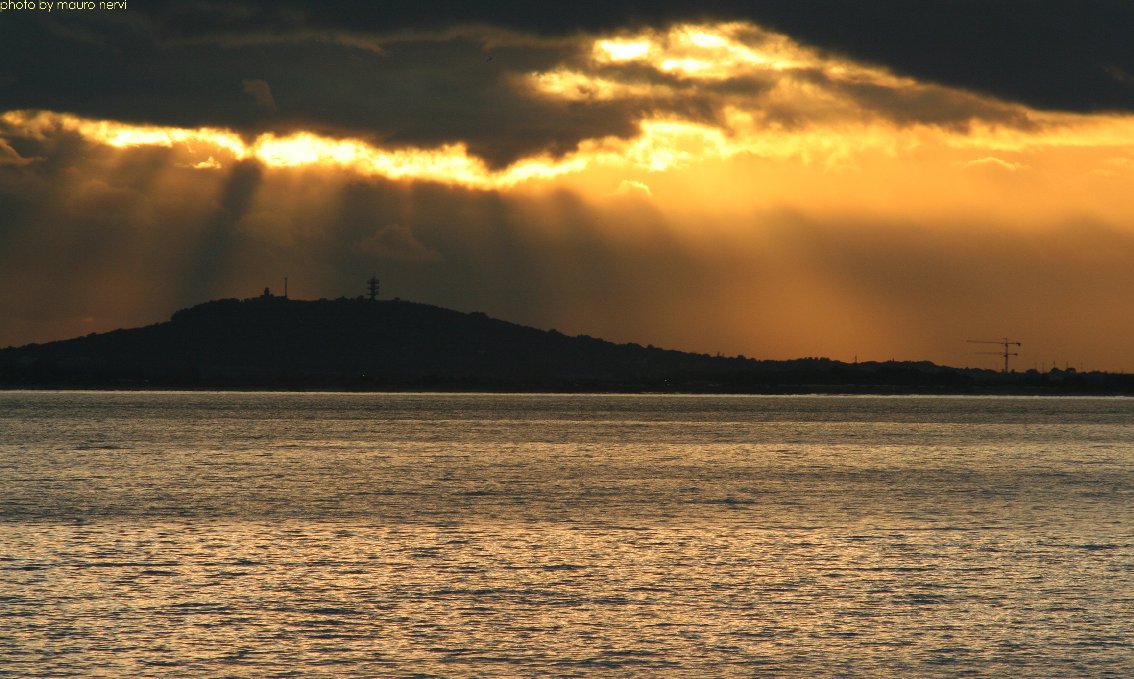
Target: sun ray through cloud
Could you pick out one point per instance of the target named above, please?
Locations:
(711, 138)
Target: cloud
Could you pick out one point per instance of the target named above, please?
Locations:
(11, 158)
(802, 199)
(1117, 167)
(994, 163)
(658, 98)
(394, 241)
(442, 74)
(1061, 54)
(628, 187)
(701, 71)
(261, 92)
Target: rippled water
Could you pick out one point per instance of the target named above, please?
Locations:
(215, 534)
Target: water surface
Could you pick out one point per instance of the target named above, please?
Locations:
(261, 534)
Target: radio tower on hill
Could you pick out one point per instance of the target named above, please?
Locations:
(372, 287)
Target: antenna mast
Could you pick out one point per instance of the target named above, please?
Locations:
(1004, 352)
(372, 287)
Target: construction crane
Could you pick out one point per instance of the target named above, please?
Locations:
(1004, 351)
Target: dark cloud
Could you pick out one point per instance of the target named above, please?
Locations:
(11, 157)
(413, 93)
(1057, 54)
(931, 104)
(261, 92)
(400, 73)
(1063, 54)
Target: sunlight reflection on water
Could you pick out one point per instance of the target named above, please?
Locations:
(149, 534)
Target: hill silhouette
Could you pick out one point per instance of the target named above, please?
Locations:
(275, 342)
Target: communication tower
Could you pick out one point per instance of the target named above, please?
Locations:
(372, 287)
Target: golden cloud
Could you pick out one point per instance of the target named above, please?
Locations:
(770, 99)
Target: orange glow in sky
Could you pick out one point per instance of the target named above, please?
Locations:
(796, 179)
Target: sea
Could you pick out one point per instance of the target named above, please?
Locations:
(213, 534)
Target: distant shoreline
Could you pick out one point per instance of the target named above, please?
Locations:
(272, 343)
(801, 391)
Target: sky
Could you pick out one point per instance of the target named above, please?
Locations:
(775, 179)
